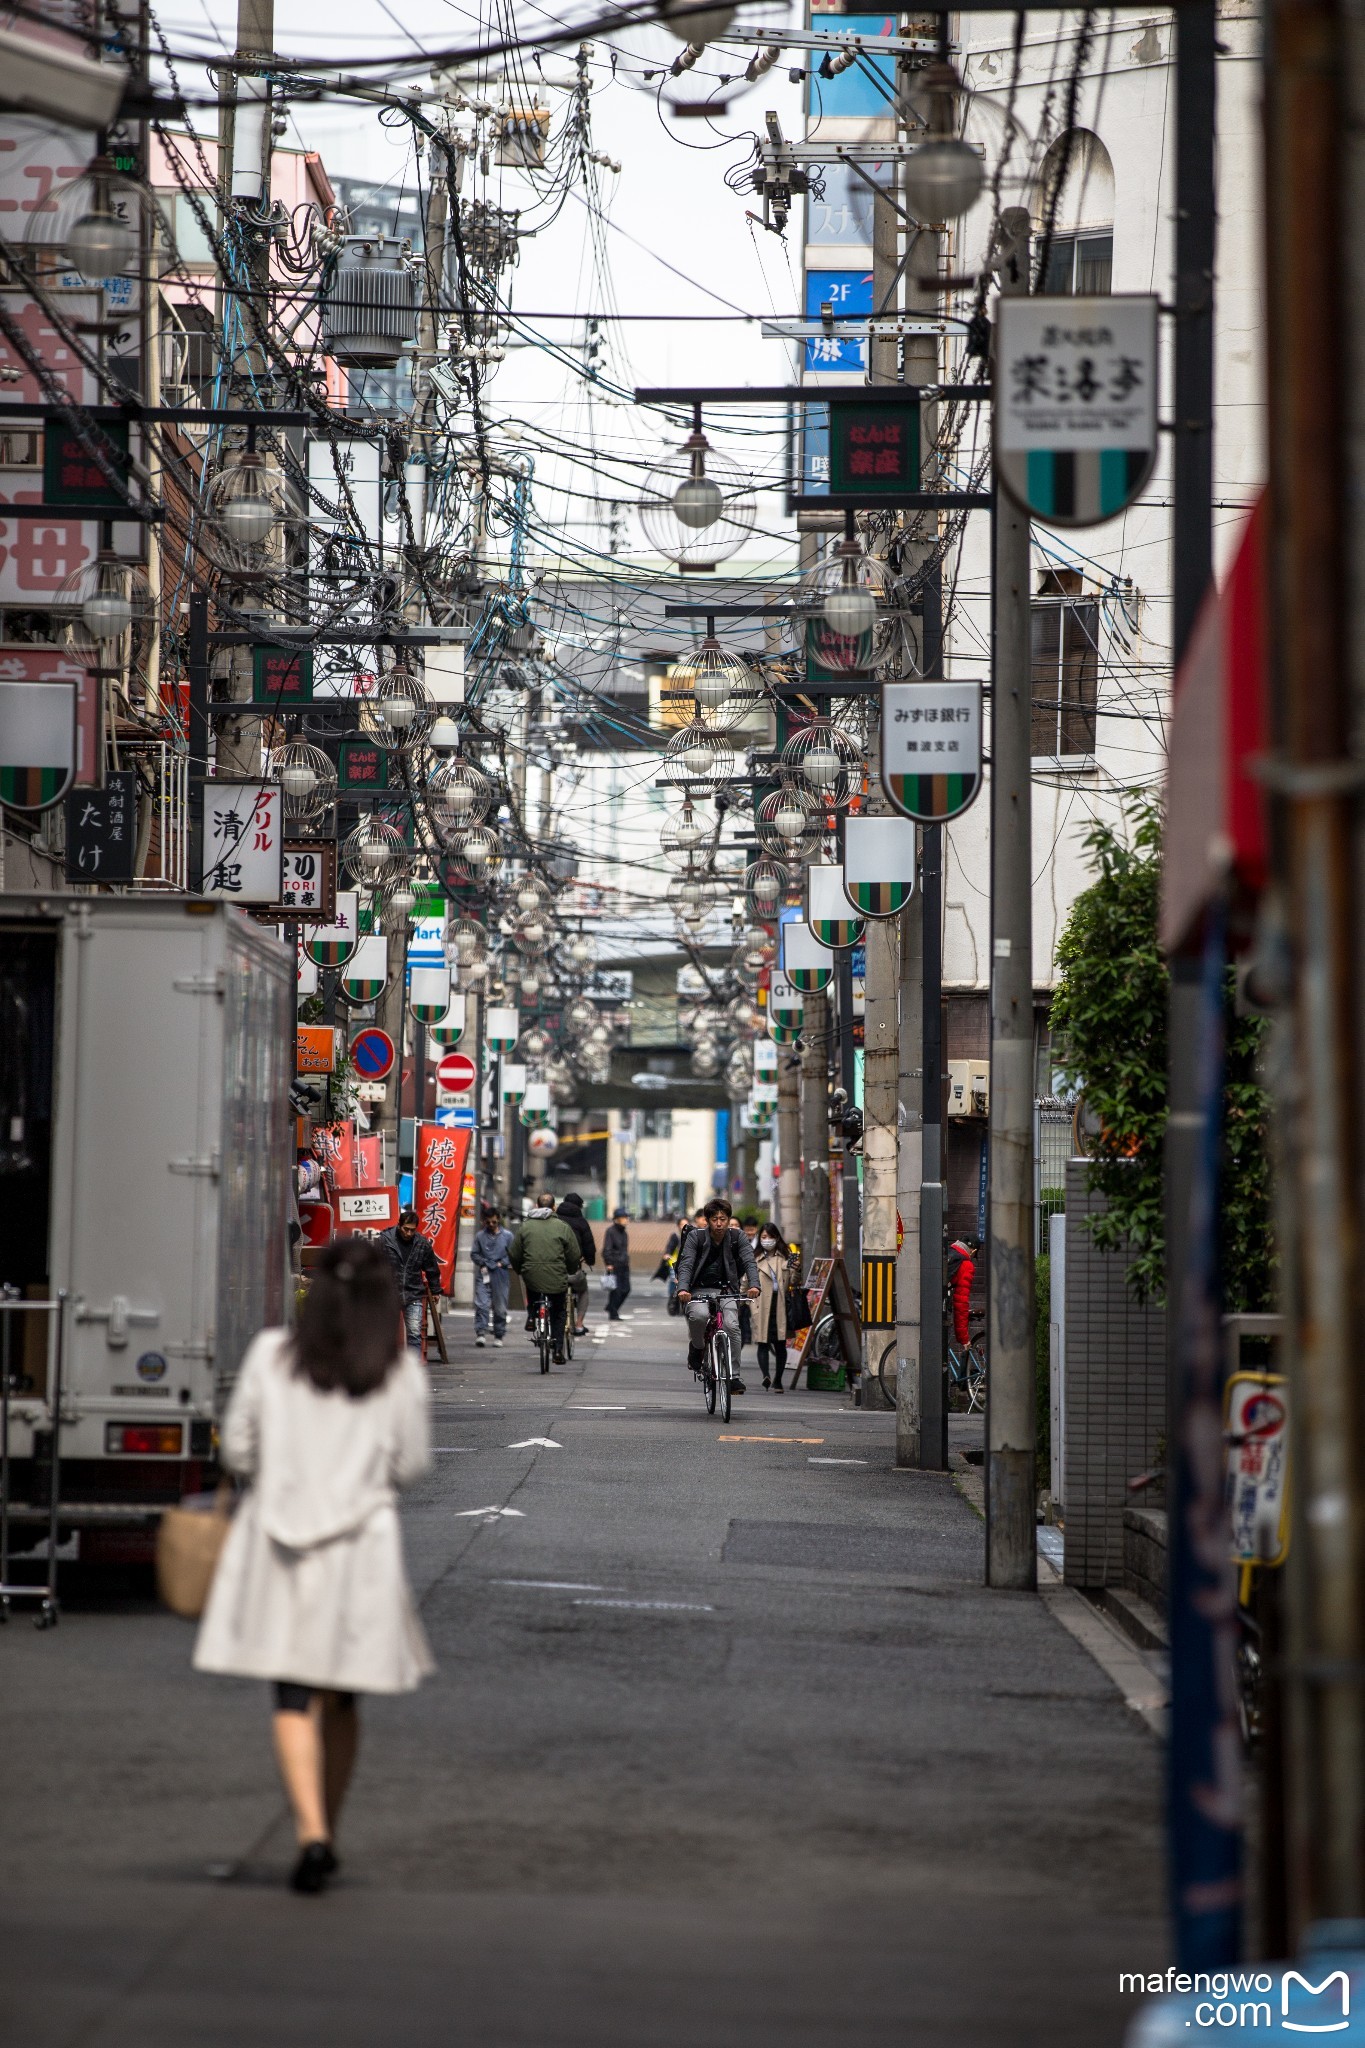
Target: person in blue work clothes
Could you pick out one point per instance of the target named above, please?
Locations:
(492, 1278)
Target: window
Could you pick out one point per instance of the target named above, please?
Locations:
(1066, 662)
(656, 1123)
(1082, 264)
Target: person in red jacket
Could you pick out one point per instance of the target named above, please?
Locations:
(961, 1273)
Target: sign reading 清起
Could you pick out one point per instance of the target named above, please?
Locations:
(243, 841)
(1075, 404)
(931, 747)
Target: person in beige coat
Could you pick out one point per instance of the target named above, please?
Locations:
(325, 1423)
(774, 1271)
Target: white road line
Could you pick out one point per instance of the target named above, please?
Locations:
(489, 1514)
(596, 1408)
(650, 1606)
(553, 1585)
(836, 1461)
(538, 1443)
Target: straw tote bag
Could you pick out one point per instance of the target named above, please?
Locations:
(189, 1543)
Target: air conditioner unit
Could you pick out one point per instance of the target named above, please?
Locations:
(369, 315)
(959, 1087)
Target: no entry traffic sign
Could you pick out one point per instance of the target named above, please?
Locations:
(372, 1052)
(455, 1072)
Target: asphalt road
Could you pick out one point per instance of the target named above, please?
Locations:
(728, 1745)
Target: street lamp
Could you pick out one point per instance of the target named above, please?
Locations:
(944, 176)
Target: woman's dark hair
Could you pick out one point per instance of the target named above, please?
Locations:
(348, 1328)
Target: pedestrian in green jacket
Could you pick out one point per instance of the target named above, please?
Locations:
(545, 1253)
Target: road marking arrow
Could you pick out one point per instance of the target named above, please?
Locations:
(543, 1443)
(489, 1514)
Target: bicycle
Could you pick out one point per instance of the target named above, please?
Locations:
(716, 1370)
(967, 1375)
(541, 1331)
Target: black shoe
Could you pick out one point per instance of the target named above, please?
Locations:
(778, 1387)
(695, 1360)
(738, 1387)
(766, 1381)
(530, 1324)
(315, 1865)
(556, 1358)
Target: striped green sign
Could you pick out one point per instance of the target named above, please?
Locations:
(37, 743)
(1075, 403)
(367, 970)
(931, 748)
(828, 911)
(331, 945)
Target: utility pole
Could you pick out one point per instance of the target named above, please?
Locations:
(909, 1169)
(815, 1037)
(244, 143)
(1011, 1536)
(789, 1143)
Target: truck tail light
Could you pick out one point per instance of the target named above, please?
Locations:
(144, 1439)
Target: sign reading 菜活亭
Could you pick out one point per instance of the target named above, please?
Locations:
(931, 748)
(1075, 404)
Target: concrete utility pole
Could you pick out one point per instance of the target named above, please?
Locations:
(789, 1142)
(909, 1169)
(1011, 1538)
(1315, 187)
(815, 1035)
(244, 143)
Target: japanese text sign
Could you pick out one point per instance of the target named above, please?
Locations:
(1075, 404)
(243, 841)
(441, 1153)
(101, 830)
(281, 676)
(874, 449)
(931, 747)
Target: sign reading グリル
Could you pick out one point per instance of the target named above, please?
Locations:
(243, 841)
(931, 747)
(1075, 404)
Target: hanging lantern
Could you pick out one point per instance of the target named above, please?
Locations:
(698, 508)
(458, 794)
(375, 852)
(828, 761)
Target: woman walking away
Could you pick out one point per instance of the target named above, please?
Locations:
(774, 1260)
(326, 1422)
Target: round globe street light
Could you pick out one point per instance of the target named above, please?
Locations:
(944, 176)
(244, 506)
(104, 240)
(698, 25)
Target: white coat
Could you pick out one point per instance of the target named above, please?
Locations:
(310, 1587)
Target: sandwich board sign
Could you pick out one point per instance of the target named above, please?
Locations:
(931, 748)
(1075, 404)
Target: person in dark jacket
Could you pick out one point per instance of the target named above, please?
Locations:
(492, 1278)
(416, 1269)
(571, 1210)
(717, 1260)
(616, 1259)
(545, 1253)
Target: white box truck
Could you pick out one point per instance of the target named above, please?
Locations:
(146, 1059)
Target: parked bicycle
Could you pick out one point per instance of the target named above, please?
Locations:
(967, 1376)
(718, 1366)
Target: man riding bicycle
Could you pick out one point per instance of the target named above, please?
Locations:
(716, 1260)
(545, 1253)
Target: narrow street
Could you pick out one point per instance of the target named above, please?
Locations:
(728, 1744)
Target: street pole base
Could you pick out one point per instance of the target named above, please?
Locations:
(1011, 1532)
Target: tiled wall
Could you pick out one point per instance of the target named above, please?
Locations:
(1115, 1392)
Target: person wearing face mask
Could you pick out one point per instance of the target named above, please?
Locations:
(770, 1317)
